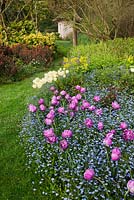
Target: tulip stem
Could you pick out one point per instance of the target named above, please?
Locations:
(102, 184)
(125, 195)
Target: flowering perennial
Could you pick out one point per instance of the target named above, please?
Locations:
(79, 148)
(49, 77)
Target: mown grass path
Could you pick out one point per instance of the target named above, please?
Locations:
(14, 179)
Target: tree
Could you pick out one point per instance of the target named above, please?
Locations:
(67, 10)
(14, 11)
(103, 18)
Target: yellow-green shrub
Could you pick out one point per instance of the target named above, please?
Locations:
(38, 38)
(79, 64)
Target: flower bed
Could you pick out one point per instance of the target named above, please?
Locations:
(80, 148)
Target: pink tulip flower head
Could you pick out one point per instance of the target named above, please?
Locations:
(109, 135)
(67, 97)
(61, 110)
(128, 134)
(42, 107)
(85, 104)
(48, 121)
(82, 90)
(32, 108)
(115, 105)
(74, 100)
(51, 114)
(130, 186)
(63, 144)
(63, 93)
(72, 114)
(100, 126)
(72, 105)
(96, 98)
(78, 96)
(88, 122)
(116, 154)
(58, 98)
(41, 101)
(67, 134)
(92, 108)
(123, 125)
(98, 112)
(107, 141)
(52, 88)
(48, 133)
(78, 87)
(50, 136)
(113, 131)
(54, 101)
(51, 139)
(89, 174)
(56, 92)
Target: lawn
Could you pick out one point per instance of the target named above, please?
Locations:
(14, 180)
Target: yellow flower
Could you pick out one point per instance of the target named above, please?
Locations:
(65, 60)
(130, 59)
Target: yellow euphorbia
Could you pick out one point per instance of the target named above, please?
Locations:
(131, 59)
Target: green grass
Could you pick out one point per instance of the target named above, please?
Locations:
(63, 46)
(14, 179)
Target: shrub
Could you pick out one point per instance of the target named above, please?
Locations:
(78, 64)
(78, 149)
(41, 54)
(15, 32)
(23, 32)
(104, 54)
(40, 39)
(112, 76)
(7, 63)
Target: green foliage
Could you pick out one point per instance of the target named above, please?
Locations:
(24, 32)
(63, 47)
(72, 79)
(83, 39)
(77, 64)
(20, 61)
(16, 31)
(104, 54)
(39, 39)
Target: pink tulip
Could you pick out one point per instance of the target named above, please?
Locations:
(32, 108)
(96, 98)
(115, 105)
(89, 174)
(63, 92)
(116, 154)
(130, 186)
(41, 101)
(123, 125)
(67, 134)
(42, 107)
(63, 144)
(100, 126)
(88, 122)
(107, 141)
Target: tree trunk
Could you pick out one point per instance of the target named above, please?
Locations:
(75, 39)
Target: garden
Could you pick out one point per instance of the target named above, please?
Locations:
(66, 113)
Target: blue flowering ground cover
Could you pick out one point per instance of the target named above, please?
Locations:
(80, 145)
